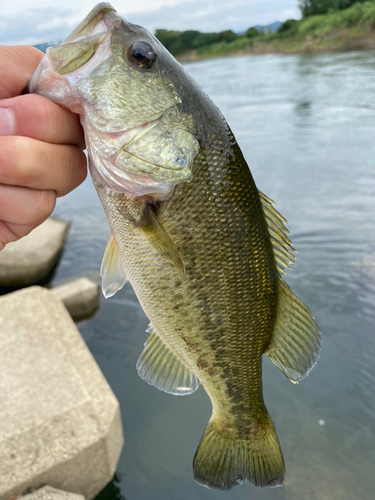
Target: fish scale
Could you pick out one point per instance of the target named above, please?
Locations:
(227, 318)
(203, 249)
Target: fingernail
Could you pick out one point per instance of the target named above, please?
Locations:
(7, 122)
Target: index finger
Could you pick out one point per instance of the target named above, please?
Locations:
(17, 64)
(39, 118)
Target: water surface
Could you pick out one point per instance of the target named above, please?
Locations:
(306, 125)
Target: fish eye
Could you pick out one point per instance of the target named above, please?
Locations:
(141, 54)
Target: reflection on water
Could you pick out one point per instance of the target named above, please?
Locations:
(306, 125)
(112, 491)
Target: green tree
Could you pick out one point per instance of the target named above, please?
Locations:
(344, 4)
(170, 39)
(180, 41)
(252, 32)
(288, 27)
(315, 7)
(227, 36)
(205, 39)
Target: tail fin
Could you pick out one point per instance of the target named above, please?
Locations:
(226, 458)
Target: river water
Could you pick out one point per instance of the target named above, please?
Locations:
(306, 125)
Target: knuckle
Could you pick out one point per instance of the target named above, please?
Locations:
(41, 109)
(43, 206)
(11, 154)
(75, 170)
(25, 158)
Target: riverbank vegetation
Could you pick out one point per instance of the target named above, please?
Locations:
(325, 25)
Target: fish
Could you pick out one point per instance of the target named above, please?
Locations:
(202, 247)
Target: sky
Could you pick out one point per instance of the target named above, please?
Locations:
(38, 21)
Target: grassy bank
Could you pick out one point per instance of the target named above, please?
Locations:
(349, 29)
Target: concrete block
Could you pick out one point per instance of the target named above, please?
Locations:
(49, 493)
(60, 422)
(80, 296)
(30, 259)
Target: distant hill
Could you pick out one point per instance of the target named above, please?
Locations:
(270, 27)
(44, 46)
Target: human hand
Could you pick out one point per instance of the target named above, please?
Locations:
(41, 148)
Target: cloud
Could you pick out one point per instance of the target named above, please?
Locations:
(42, 24)
(290, 14)
(31, 26)
(200, 13)
(15, 7)
(218, 16)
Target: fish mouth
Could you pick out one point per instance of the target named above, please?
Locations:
(130, 172)
(54, 71)
(143, 130)
(91, 37)
(101, 19)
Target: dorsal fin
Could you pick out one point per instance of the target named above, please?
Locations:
(282, 246)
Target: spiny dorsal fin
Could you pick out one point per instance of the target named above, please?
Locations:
(158, 365)
(112, 269)
(282, 246)
(296, 341)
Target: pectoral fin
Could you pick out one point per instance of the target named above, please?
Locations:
(161, 241)
(295, 344)
(112, 269)
(158, 365)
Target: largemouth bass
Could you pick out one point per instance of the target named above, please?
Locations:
(203, 249)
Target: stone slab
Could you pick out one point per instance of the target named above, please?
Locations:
(30, 259)
(80, 296)
(60, 423)
(49, 493)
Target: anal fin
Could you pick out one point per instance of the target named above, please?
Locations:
(158, 365)
(296, 341)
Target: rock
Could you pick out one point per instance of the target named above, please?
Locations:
(60, 422)
(49, 493)
(80, 296)
(30, 259)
